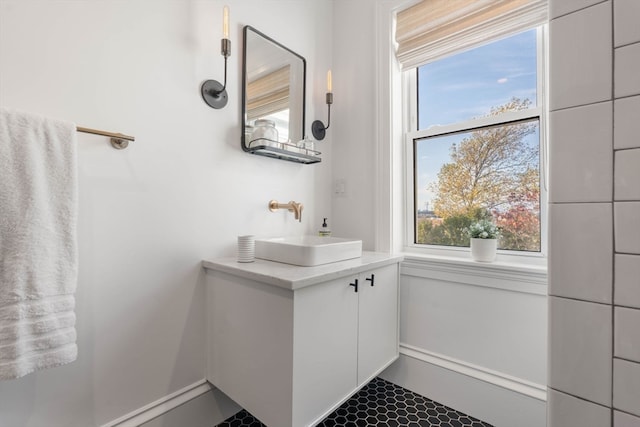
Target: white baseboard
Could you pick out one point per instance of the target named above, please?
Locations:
(494, 397)
(161, 406)
(495, 378)
(515, 384)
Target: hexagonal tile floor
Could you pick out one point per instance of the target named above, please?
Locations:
(381, 403)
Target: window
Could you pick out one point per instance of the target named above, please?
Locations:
(476, 144)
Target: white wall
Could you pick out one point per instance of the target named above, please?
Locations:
(181, 192)
(353, 119)
(475, 339)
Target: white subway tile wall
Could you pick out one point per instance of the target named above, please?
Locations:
(627, 174)
(581, 263)
(627, 227)
(594, 320)
(621, 419)
(627, 280)
(625, 22)
(567, 410)
(580, 57)
(626, 335)
(626, 124)
(626, 386)
(582, 161)
(564, 7)
(580, 360)
(626, 70)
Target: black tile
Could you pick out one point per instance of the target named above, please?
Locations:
(381, 403)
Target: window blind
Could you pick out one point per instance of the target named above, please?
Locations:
(433, 29)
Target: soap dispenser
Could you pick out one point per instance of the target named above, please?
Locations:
(324, 231)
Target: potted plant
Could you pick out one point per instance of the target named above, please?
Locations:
(484, 236)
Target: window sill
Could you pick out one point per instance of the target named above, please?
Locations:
(501, 274)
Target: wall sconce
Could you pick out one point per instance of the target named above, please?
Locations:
(214, 93)
(318, 129)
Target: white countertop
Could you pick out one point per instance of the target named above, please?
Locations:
(295, 277)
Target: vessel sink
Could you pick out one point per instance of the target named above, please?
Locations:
(308, 251)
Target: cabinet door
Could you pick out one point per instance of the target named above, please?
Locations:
(378, 321)
(325, 347)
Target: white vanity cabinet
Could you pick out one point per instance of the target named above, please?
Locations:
(290, 344)
(377, 322)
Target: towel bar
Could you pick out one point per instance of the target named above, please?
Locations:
(118, 141)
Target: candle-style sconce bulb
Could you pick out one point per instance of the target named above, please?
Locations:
(318, 129)
(225, 22)
(213, 92)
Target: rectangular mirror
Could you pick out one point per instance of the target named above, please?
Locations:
(273, 99)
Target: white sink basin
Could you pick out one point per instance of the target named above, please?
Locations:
(308, 250)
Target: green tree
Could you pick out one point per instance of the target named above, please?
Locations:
(450, 231)
(487, 167)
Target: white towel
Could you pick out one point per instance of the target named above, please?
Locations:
(38, 245)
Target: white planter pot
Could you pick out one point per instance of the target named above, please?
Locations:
(484, 250)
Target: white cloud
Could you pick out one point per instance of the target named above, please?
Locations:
(503, 80)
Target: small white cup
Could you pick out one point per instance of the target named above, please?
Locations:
(246, 248)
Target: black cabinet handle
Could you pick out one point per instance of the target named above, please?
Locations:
(371, 279)
(355, 285)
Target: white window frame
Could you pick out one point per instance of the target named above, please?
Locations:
(540, 111)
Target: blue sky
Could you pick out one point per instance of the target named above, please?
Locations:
(465, 86)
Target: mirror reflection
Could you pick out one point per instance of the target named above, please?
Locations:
(273, 92)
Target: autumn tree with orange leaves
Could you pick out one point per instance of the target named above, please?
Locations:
(493, 173)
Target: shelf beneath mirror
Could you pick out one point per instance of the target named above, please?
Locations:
(284, 151)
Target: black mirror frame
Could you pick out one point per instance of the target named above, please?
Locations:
(301, 158)
(244, 80)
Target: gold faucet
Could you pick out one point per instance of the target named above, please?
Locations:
(292, 206)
